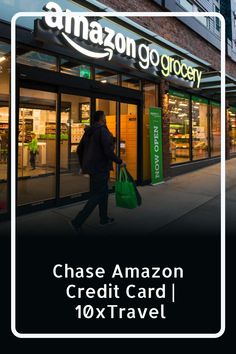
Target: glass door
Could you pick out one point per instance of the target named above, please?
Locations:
(75, 116)
(110, 108)
(121, 119)
(128, 137)
(36, 146)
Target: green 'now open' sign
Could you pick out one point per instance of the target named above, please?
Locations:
(156, 144)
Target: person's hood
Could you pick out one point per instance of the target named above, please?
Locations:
(91, 130)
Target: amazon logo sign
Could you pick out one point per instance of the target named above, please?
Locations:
(88, 37)
(76, 29)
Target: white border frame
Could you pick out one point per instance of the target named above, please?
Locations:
(13, 181)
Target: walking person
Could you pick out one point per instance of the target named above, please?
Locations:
(96, 155)
(33, 147)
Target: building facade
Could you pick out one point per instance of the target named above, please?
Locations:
(68, 68)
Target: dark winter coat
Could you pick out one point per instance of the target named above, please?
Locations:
(96, 150)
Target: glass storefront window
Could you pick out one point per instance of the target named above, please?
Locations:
(130, 82)
(36, 146)
(106, 77)
(215, 129)
(36, 59)
(70, 67)
(4, 122)
(150, 100)
(179, 128)
(199, 128)
(232, 128)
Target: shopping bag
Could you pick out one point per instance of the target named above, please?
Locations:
(125, 191)
(139, 198)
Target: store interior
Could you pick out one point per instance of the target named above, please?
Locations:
(193, 144)
(4, 122)
(232, 128)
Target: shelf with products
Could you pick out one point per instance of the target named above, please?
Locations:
(77, 131)
(179, 141)
(50, 131)
(50, 128)
(4, 130)
(4, 126)
(25, 129)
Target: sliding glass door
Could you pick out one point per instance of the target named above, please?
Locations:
(50, 128)
(75, 117)
(121, 120)
(36, 146)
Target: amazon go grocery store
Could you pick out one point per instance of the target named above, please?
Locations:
(69, 67)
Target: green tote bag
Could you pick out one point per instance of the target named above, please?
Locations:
(125, 191)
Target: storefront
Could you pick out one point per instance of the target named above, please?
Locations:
(60, 85)
(232, 129)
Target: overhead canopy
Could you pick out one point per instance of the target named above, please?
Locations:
(211, 87)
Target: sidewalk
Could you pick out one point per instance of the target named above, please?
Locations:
(162, 204)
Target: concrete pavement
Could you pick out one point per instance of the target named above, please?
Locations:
(194, 193)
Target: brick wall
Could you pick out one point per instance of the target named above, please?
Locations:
(174, 31)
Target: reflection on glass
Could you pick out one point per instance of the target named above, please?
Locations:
(36, 59)
(199, 130)
(109, 107)
(130, 82)
(128, 137)
(75, 116)
(179, 129)
(150, 100)
(215, 129)
(36, 146)
(232, 128)
(106, 76)
(70, 67)
(4, 122)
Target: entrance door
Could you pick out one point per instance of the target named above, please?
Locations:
(121, 119)
(36, 146)
(110, 109)
(75, 116)
(128, 137)
(48, 136)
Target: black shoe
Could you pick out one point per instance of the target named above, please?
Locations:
(107, 221)
(75, 227)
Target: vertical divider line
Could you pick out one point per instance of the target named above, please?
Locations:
(223, 184)
(13, 174)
